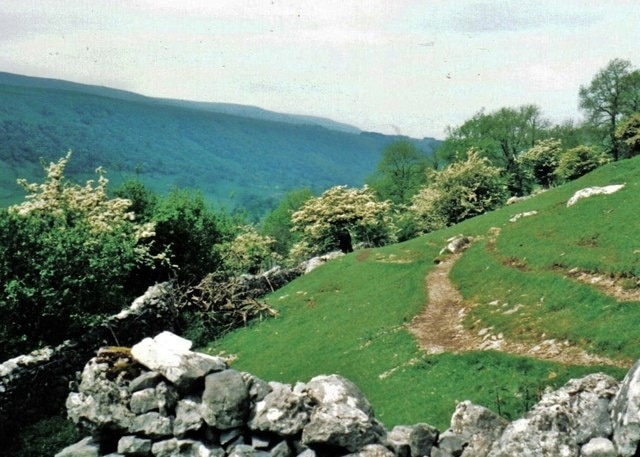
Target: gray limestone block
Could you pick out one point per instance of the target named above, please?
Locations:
(225, 400)
(132, 445)
(153, 425)
(86, 447)
(598, 447)
(281, 411)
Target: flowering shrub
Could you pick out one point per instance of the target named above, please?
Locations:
(249, 252)
(324, 222)
(542, 161)
(579, 161)
(68, 255)
(462, 190)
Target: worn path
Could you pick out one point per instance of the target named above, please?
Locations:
(440, 327)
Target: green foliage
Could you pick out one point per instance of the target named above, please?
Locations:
(190, 231)
(579, 161)
(340, 212)
(68, 255)
(143, 199)
(44, 438)
(400, 173)
(462, 190)
(614, 92)
(499, 136)
(628, 134)
(542, 161)
(249, 252)
(277, 224)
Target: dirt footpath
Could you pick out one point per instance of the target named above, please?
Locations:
(440, 327)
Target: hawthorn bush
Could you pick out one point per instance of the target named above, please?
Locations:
(337, 217)
(579, 161)
(67, 256)
(462, 190)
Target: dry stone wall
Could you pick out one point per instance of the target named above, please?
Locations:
(46, 373)
(161, 399)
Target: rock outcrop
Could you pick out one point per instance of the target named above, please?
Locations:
(590, 191)
(161, 399)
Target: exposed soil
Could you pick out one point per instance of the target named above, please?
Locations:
(622, 289)
(440, 328)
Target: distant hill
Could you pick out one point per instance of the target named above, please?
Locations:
(238, 156)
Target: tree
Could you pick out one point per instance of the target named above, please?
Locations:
(629, 135)
(277, 224)
(400, 172)
(500, 136)
(462, 190)
(339, 215)
(190, 232)
(614, 92)
(542, 161)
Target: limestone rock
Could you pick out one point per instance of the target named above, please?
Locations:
(409, 440)
(83, 448)
(590, 191)
(184, 448)
(625, 413)
(161, 398)
(336, 389)
(598, 447)
(225, 400)
(562, 421)
(170, 355)
(100, 403)
(243, 450)
(281, 411)
(281, 449)
(456, 244)
(146, 380)
(153, 425)
(341, 425)
(188, 416)
(132, 445)
(373, 450)
(477, 426)
(258, 389)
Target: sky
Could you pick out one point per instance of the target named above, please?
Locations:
(403, 66)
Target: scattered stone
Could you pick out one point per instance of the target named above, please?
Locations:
(521, 215)
(456, 244)
(590, 191)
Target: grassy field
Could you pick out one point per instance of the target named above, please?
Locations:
(349, 316)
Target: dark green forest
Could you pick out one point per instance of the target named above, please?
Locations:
(247, 161)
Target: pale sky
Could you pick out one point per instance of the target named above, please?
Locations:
(409, 67)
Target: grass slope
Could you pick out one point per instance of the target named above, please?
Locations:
(348, 316)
